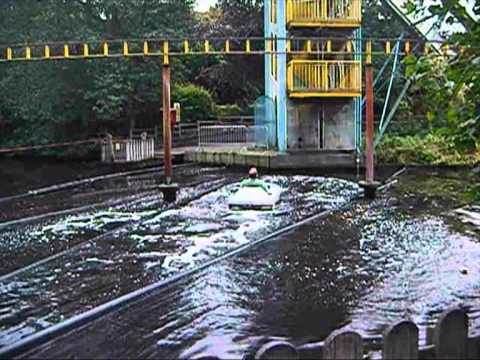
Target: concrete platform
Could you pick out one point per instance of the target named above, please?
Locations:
(272, 159)
(177, 153)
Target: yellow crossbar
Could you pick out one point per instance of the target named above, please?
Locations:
(302, 46)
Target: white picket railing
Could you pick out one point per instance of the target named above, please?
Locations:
(130, 150)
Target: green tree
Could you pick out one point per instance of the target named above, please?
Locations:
(449, 86)
(197, 103)
(45, 102)
(234, 79)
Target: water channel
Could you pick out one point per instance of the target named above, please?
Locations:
(409, 254)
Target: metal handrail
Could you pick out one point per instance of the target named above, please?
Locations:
(232, 135)
(325, 12)
(325, 76)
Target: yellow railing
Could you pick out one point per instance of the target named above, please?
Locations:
(337, 78)
(324, 13)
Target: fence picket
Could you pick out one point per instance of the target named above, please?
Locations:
(344, 344)
(400, 341)
(128, 150)
(277, 350)
(451, 335)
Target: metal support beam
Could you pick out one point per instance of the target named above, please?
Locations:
(385, 65)
(390, 85)
(392, 113)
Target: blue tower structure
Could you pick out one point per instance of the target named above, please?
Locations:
(276, 66)
(317, 93)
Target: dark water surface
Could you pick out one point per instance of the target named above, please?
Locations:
(153, 243)
(24, 243)
(360, 269)
(405, 255)
(22, 174)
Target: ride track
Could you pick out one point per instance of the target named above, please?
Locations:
(69, 185)
(139, 198)
(46, 335)
(72, 184)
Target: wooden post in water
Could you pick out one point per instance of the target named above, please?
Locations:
(168, 189)
(167, 130)
(369, 185)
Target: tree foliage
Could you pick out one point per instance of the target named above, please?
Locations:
(197, 102)
(447, 89)
(237, 79)
(45, 102)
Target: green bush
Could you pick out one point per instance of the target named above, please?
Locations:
(228, 110)
(196, 102)
(432, 149)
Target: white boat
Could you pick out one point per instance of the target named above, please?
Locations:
(255, 198)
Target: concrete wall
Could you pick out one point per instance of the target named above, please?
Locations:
(339, 124)
(321, 124)
(304, 125)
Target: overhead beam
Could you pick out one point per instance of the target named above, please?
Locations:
(52, 51)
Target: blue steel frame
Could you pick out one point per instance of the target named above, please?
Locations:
(276, 88)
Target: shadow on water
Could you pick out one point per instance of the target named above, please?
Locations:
(157, 245)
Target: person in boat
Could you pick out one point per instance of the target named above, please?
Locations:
(254, 181)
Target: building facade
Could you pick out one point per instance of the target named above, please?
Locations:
(313, 73)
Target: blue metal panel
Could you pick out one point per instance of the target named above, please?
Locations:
(268, 30)
(282, 76)
(276, 89)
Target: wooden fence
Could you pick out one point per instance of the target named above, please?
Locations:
(448, 340)
(129, 150)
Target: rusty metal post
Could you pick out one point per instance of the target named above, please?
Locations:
(168, 189)
(370, 129)
(167, 130)
(369, 185)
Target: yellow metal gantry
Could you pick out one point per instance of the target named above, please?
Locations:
(185, 47)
